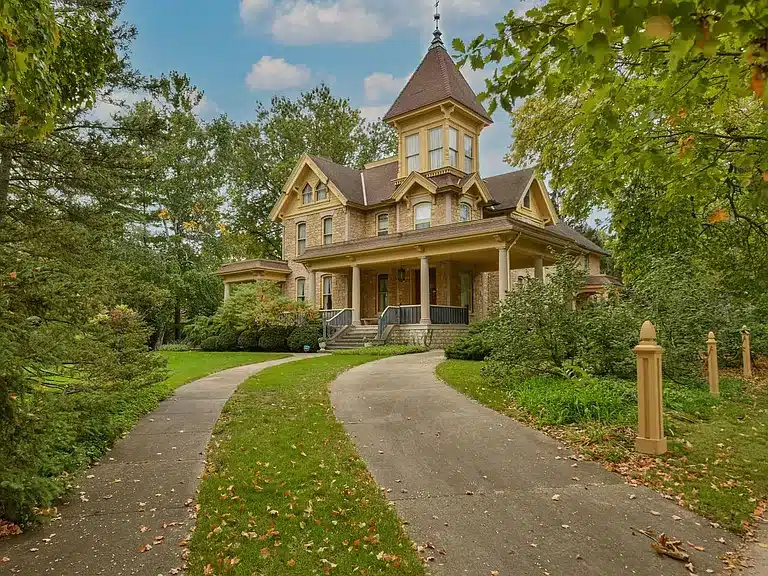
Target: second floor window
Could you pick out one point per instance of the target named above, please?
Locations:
(382, 224)
(465, 212)
(468, 154)
(453, 147)
(422, 215)
(327, 231)
(412, 153)
(306, 195)
(322, 192)
(301, 285)
(301, 238)
(436, 148)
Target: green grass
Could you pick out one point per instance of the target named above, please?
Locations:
(388, 350)
(286, 493)
(716, 461)
(184, 367)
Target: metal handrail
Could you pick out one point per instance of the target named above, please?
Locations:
(331, 325)
(393, 315)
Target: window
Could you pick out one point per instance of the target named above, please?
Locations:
(465, 212)
(301, 238)
(301, 286)
(382, 225)
(322, 192)
(453, 147)
(436, 148)
(422, 214)
(327, 292)
(527, 199)
(383, 292)
(468, 154)
(466, 290)
(327, 231)
(307, 194)
(412, 153)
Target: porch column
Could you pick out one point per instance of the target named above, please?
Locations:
(425, 318)
(503, 273)
(226, 290)
(538, 268)
(310, 289)
(356, 295)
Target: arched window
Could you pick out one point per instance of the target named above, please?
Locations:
(465, 212)
(382, 224)
(322, 192)
(422, 215)
(301, 238)
(301, 286)
(327, 231)
(306, 195)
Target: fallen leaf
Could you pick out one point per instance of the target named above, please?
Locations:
(691, 568)
(291, 562)
(145, 548)
(676, 517)
(143, 529)
(5, 559)
(556, 497)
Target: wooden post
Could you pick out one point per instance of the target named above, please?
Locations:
(713, 374)
(650, 413)
(746, 357)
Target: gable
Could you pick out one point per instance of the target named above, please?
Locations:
(535, 204)
(305, 173)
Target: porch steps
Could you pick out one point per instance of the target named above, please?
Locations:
(354, 337)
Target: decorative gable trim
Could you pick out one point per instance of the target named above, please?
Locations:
(290, 186)
(552, 217)
(475, 180)
(413, 179)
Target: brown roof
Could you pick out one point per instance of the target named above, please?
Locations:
(346, 179)
(507, 189)
(602, 280)
(437, 78)
(566, 231)
(247, 265)
(378, 182)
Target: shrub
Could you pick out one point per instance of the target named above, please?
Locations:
(610, 330)
(228, 339)
(305, 335)
(261, 304)
(274, 338)
(210, 344)
(249, 339)
(472, 345)
(201, 329)
(176, 347)
(387, 350)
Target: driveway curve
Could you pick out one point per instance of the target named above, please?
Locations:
(484, 494)
(129, 512)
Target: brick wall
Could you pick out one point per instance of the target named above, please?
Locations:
(434, 336)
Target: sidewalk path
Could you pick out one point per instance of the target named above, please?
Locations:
(495, 495)
(141, 492)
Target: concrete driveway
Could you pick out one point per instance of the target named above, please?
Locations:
(484, 494)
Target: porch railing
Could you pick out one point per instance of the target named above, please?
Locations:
(449, 314)
(335, 320)
(395, 315)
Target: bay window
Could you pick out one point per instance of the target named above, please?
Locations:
(453, 147)
(468, 154)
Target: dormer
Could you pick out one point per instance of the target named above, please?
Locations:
(438, 117)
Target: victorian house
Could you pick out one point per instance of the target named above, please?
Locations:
(420, 244)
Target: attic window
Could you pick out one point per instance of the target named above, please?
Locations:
(322, 192)
(527, 199)
(307, 195)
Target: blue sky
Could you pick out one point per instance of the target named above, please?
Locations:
(240, 52)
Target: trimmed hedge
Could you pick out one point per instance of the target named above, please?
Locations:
(249, 340)
(306, 335)
(274, 338)
(470, 346)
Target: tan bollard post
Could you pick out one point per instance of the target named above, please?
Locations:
(713, 374)
(746, 355)
(650, 414)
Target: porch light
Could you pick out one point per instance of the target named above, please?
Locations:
(401, 274)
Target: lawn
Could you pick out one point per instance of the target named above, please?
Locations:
(184, 367)
(716, 461)
(286, 493)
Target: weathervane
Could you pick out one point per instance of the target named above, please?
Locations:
(437, 41)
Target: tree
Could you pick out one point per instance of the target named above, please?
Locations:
(654, 110)
(267, 150)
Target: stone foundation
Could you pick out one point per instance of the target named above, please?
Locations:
(433, 336)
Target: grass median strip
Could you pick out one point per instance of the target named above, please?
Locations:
(285, 492)
(184, 367)
(715, 464)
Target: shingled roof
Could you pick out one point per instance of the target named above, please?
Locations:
(507, 189)
(346, 179)
(437, 78)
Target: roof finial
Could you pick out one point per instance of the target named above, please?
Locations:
(437, 41)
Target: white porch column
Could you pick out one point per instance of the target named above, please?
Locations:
(226, 290)
(356, 295)
(538, 268)
(425, 318)
(503, 273)
(310, 289)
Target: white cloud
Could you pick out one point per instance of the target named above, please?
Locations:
(276, 74)
(301, 22)
(119, 101)
(206, 109)
(381, 86)
(250, 9)
(373, 113)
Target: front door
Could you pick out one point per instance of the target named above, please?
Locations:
(432, 287)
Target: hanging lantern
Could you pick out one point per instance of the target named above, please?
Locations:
(401, 274)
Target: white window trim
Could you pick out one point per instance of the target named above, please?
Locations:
(376, 222)
(417, 155)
